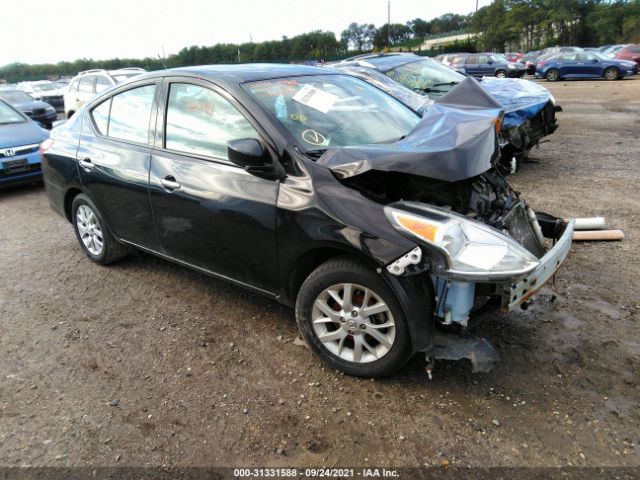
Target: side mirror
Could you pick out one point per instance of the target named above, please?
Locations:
(490, 62)
(249, 154)
(595, 60)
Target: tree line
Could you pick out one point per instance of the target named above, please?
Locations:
(532, 24)
(503, 24)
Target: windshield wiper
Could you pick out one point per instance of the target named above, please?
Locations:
(316, 153)
(432, 89)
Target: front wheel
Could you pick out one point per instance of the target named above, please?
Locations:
(611, 73)
(501, 74)
(92, 234)
(552, 75)
(351, 319)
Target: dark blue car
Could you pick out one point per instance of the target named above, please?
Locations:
(37, 110)
(487, 65)
(20, 139)
(584, 65)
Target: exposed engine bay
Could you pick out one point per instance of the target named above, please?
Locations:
(486, 198)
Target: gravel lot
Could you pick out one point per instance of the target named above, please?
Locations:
(147, 363)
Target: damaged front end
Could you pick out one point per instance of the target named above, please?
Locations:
(478, 242)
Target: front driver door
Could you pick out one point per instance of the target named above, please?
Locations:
(471, 66)
(208, 212)
(485, 66)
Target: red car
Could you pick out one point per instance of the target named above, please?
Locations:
(513, 56)
(630, 52)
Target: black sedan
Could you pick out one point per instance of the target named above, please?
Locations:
(316, 189)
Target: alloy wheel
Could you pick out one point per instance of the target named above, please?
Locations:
(552, 75)
(89, 229)
(353, 323)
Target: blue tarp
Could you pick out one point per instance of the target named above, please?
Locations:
(521, 99)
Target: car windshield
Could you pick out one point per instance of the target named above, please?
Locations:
(9, 115)
(15, 96)
(323, 111)
(44, 87)
(425, 76)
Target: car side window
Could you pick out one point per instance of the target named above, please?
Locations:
(472, 59)
(483, 59)
(130, 114)
(102, 83)
(74, 86)
(86, 84)
(100, 116)
(201, 122)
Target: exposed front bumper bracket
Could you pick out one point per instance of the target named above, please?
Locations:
(519, 291)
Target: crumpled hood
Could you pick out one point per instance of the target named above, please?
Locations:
(521, 99)
(27, 133)
(456, 139)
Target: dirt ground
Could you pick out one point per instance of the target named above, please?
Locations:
(147, 363)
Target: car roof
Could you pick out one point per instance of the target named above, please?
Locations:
(383, 61)
(234, 75)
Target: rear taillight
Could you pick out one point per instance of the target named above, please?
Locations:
(46, 145)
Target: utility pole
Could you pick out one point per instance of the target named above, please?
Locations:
(389, 24)
(476, 6)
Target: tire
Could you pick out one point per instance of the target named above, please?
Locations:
(91, 229)
(383, 349)
(501, 74)
(552, 75)
(611, 73)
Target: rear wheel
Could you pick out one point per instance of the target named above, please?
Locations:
(501, 74)
(94, 238)
(611, 73)
(552, 75)
(351, 319)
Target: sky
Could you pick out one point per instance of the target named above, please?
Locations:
(48, 31)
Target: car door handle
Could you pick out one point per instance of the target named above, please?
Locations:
(169, 183)
(86, 164)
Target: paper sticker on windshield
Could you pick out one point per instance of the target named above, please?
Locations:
(316, 99)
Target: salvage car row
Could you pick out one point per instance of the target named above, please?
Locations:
(610, 62)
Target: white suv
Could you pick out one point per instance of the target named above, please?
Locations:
(86, 84)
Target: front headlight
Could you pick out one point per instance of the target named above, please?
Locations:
(472, 248)
(511, 66)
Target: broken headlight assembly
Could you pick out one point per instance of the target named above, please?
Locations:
(472, 250)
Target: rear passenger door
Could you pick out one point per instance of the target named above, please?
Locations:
(113, 158)
(210, 213)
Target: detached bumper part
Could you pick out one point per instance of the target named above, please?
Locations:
(520, 290)
(459, 346)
